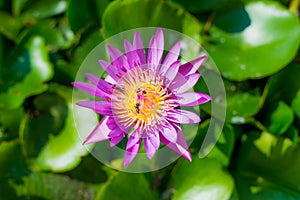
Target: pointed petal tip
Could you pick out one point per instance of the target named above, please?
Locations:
(188, 156)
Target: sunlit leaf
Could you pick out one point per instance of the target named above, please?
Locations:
(120, 186)
(44, 9)
(281, 117)
(275, 159)
(201, 179)
(148, 13)
(254, 41)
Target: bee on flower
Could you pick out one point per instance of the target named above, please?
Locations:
(142, 97)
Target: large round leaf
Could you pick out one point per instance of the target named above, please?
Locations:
(254, 41)
(50, 139)
(275, 159)
(25, 72)
(126, 186)
(148, 13)
(201, 179)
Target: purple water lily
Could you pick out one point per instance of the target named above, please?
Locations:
(141, 97)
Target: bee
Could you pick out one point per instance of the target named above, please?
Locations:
(137, 107)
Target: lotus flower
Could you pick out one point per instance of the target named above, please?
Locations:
(141, 97)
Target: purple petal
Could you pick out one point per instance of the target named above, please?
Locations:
(169, 132)
(111, 123)
(172, 71)
(110, 69)
(180, 146)
(156, 49)
(192, 98)
(116, 131)
(100, 107)
(117, 58)
(151, 144)
(116, 140)
(133, 139)
(110, 80)
(192, 66)
(171, 57)
(181, 84)
(90, 89)
(183, 117)
(131, 54)
(154, 139)
(131, 153)
(100, 133)
(101, 84)
(139, 47)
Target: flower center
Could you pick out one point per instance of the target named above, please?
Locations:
(140, 98)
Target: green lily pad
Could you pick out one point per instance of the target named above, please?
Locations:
(148, 13)
(207, 181)
(248, 41)
(43, 185)
(281, 118)
(296, 104)
(44, 9)
(223, 149)
(91, 11)
(10, 121)
(283, 85)
(258, 188)
(242, 101)
(25, 73)
(275, 159)
(120, 186)
(50, 139)
(202, 6)
(53, 38)
(12, 163)
(9, 26)
(57, 34)
(218, 145)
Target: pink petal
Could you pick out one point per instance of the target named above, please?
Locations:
(183, 117)
(192, 98)
(90, 89)
(116, 140)
(139, 47)
(180, 146)
(169, 132)
(181, 84)
(171, 57)
(151, 144)
(100, 133)
(133, 138)
(156, 49)
(192, 66)
(110, 80)
(100, 107)
(101, 84)
(116, 131)
(132, 55)
(131, 153)
(110, 69)
(111, 123)
(117, 58)
(172, 71)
